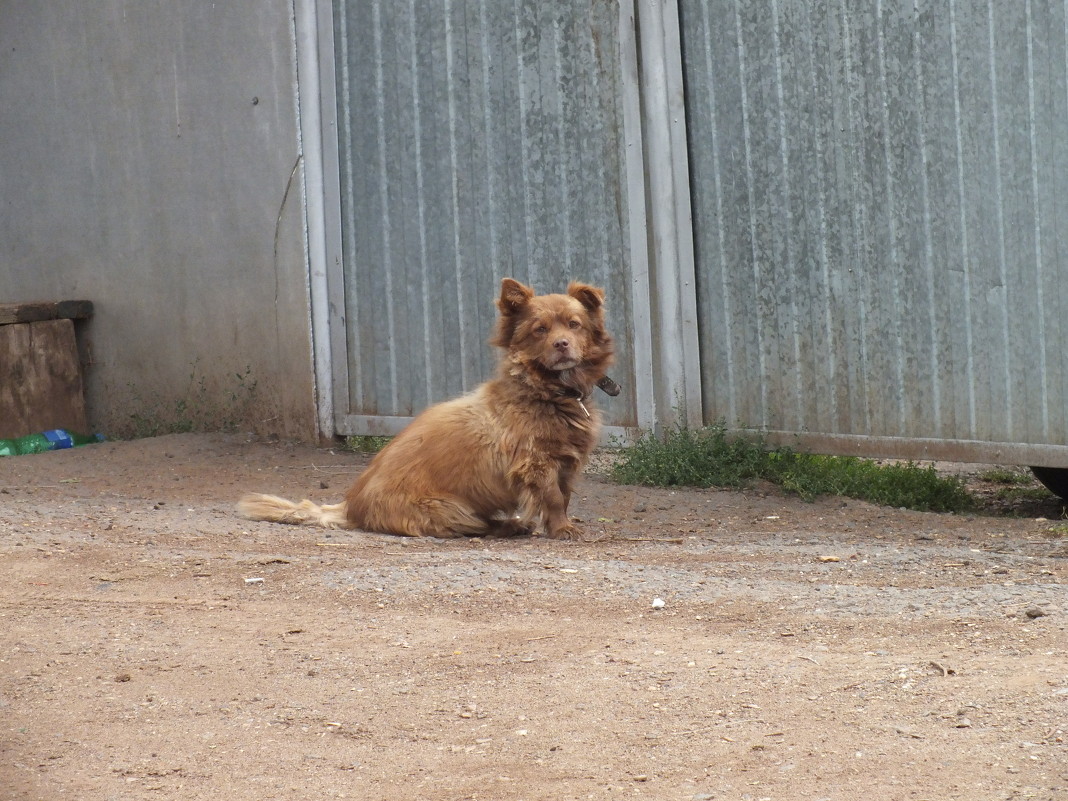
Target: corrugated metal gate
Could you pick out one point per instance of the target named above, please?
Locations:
(879, 194)
(873, 260)
(477, 140)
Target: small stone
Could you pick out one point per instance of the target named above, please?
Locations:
(1035, 612)
(658, 603)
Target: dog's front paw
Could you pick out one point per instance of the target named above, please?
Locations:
(567, 531)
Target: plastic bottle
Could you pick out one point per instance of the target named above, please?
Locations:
(52, 440)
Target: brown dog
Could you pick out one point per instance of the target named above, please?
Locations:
(501, 459)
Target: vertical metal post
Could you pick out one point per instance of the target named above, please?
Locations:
(671, 279)
(641, 292)
(318, 147)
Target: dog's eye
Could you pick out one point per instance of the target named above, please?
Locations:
(541, 329)
(574, 324)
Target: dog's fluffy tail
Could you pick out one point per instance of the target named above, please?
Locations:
(279, 510)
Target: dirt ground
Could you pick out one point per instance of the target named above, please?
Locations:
(154, 646)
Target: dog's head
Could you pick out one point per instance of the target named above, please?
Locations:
(555, 334)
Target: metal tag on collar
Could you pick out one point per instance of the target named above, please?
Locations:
(583, 406)
(608, 386)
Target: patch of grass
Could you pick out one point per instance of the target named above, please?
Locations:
(906, 485)
(1013, 486)
(708, 457)
(363, 443)
(686, 457)
(1014, 494)
(1003, 475)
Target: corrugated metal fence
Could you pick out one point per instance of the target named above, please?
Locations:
(879, 200)
(477, 140)
(876, 188)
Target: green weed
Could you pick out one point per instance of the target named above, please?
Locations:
(363, 443)
(1004, 475)
(709, 457)
(691, 458)
(1020, 494)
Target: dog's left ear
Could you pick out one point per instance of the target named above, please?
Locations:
(589, 296)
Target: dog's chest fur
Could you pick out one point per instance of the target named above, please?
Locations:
(554, 422)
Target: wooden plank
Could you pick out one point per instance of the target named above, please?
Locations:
(26, 312)
(40, 379)
(35, 311)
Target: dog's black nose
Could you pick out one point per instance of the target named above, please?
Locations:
(562, 344)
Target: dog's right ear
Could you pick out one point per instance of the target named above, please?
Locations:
(514, 296)
(513, 300)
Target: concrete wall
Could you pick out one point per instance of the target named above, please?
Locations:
(149, 162)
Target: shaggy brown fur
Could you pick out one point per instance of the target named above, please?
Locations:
(501, 459)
